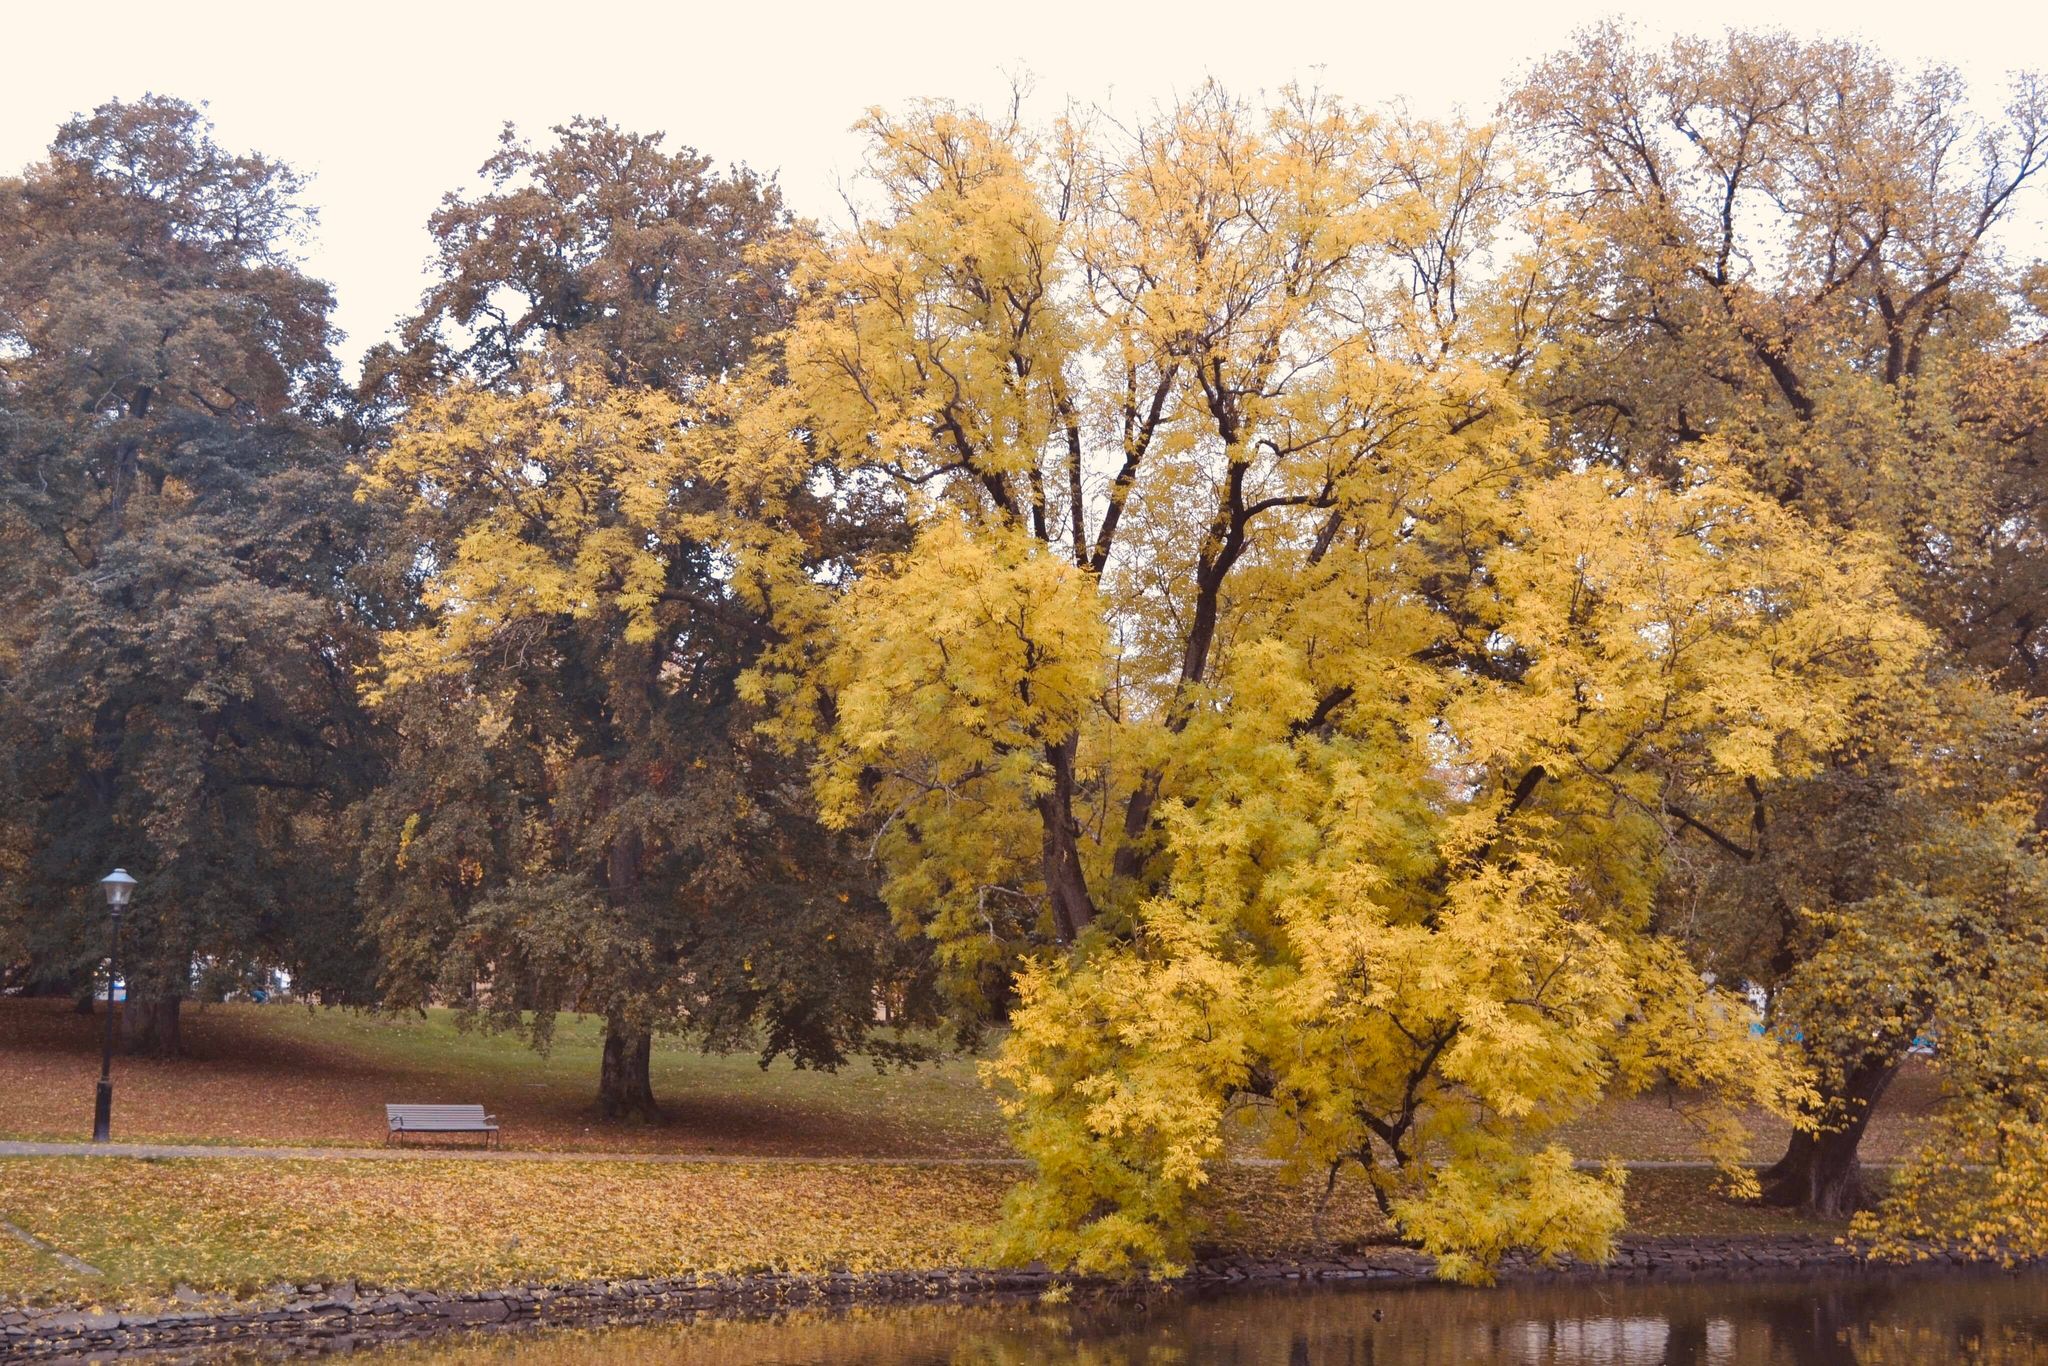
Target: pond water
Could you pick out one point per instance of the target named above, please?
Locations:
(1986, 1318)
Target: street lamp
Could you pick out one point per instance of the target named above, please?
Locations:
(118, 887)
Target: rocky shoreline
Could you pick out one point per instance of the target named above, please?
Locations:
(318, 1319)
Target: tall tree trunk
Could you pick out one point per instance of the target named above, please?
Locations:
(152, 1024)
(1060, 850)
(1820, 1171)
(625, 1086)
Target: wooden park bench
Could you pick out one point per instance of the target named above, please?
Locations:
(401, 1120)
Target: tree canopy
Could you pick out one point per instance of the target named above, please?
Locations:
(1264, 685)
(1797, 254)
(175, 522)
(1331, 630)
(583, 816)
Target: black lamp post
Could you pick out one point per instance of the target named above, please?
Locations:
(118, 887)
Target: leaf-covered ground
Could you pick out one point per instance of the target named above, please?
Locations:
(242, 1225)
(279, 1074)
(1677, 1203)
(286, 1075)
(238, 1224)
(1655, 1127)
(25, 1269)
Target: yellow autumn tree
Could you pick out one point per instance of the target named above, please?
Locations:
(1263, 708)
(1977, 1182)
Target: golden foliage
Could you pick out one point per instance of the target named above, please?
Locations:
(1260, 679)
(1285, 697)
(593, 463)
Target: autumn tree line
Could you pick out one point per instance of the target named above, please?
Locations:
(1370, 634)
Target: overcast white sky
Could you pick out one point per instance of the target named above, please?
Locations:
(389, 105)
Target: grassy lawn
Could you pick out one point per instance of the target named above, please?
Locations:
(288, 1075)
(26, 1272)
(282, 1074)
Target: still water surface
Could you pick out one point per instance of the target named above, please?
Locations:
(1991, 1319)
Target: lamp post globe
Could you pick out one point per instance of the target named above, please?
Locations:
(119, 887)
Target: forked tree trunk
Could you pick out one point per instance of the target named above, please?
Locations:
(1820, 1172)
(625, 1085)
(152, 1025)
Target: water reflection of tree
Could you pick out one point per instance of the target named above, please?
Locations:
(1814, 1329)
(1987, 1321)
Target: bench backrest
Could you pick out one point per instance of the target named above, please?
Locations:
(429, 1117)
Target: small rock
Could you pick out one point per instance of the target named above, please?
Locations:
(476, 1311)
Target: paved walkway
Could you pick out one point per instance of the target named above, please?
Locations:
(28, 1239)
(16, 1148)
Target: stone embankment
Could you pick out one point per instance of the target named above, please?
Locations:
(310, 1319)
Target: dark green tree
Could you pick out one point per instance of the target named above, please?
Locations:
(176, 633)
